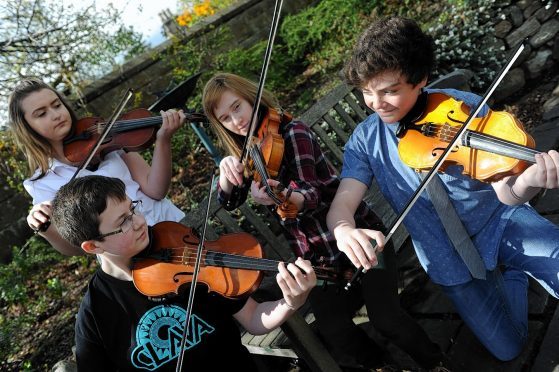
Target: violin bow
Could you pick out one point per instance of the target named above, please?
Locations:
(254, 115)
(116, 113)
(263, 73)
(431, 174)
(194, 280)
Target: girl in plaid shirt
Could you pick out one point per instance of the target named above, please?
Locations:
(228, 101)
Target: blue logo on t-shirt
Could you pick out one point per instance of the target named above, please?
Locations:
(159, 335)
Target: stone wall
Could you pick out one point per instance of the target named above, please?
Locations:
(249, 22)
(536, 22)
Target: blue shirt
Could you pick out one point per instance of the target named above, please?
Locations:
(372, 151)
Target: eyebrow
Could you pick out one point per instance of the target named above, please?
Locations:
(388, 86)
(231, 105)
(392, 85)
(43, 107)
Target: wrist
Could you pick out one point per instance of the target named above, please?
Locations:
(162, 139)
(519, 190)
(342, 229)
(288, 305)
(298, 199)
(225, 184)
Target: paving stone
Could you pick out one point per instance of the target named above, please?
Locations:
(546, 12)
(515, 15)
(531, 9)
(546, 32)
(442, 331)
(434, 302)
(539, 63)
(468, 354)
(548, 357)
(551, 108)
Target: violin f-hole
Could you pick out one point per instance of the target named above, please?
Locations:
(176, 277)
(441, 149)
(452, 119)
(194, 238)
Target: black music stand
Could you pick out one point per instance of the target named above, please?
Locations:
(176, 98)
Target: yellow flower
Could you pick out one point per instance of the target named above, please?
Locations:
(184, 19)
(203, 9)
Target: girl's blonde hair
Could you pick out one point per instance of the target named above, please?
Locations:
(247, 90)
(36, 148)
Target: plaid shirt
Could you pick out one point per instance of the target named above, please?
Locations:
(307, 171)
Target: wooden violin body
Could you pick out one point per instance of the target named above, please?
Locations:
(270, 143)
(173, 257)
(493, 146)
(266, 156)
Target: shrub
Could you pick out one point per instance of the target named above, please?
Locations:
(323, 35)
(13, 167)
(463, 35)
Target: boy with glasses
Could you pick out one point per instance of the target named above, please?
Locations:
(118, 328)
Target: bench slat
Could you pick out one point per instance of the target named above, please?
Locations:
(334, 125)
(345, 116)
(262, 228)
(324, 105)
(334, 149)
(356, 107)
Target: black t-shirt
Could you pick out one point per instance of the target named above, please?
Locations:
(118, 328)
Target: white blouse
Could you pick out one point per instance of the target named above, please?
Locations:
(113, 165)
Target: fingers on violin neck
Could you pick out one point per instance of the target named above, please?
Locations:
(279, 187)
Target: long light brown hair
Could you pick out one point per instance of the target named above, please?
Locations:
(246, 89)
(37, 149)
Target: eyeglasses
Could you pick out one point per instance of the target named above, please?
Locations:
(126, 225)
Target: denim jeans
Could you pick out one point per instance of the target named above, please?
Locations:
(496, 309)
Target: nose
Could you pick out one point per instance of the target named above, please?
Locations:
(236, 120)
(138, 221)
(375, 102)
(55, 114)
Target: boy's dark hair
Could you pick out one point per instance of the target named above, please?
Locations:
(78, 204)
(391, 44)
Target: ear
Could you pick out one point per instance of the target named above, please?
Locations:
(91, 247)
(423, 82)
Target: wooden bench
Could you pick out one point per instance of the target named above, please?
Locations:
(333, 118)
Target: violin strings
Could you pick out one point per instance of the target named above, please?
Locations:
(127, 124)
(123, 125)
(190, 249)
(261, 169)
(435, 131)
(252, 263)
(229, 258)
